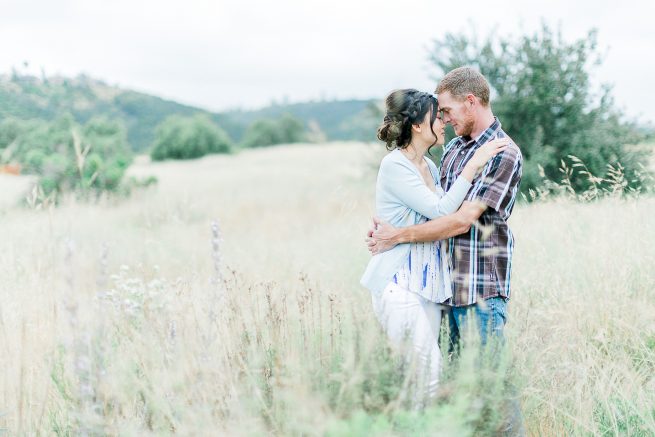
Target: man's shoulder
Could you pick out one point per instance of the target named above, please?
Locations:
(513, 151)
(513, 148)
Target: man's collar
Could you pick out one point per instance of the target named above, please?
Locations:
(486, 134)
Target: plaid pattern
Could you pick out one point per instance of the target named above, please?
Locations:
(481, 260)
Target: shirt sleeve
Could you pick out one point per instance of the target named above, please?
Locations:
(410, 189)
(496, 179)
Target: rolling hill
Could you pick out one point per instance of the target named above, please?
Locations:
(31, 97)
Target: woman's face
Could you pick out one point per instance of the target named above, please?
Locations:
(438, 127)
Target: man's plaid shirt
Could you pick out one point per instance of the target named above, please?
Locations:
(481, 260)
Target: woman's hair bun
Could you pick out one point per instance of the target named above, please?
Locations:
(404, 108)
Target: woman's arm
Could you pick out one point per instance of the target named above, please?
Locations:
(482, 156)
(399, 179)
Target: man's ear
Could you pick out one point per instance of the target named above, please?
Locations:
(471, 99)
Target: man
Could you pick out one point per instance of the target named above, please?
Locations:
(480, 258)
(480, 241)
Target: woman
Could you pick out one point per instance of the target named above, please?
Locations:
(409, 282)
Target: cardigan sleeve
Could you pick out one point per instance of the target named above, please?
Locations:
(403, 183)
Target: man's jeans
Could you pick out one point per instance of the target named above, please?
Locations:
(490, 316)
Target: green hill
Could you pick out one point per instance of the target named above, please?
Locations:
(46, 98)
(337, 119)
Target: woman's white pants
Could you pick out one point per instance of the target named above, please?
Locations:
(412, 324)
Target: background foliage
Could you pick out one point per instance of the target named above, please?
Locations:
(544, 96)
(267, 132)
(189, 137)
(67, 156)
(29, 97)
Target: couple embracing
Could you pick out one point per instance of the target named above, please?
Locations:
(441, 244)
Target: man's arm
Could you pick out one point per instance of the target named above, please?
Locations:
(384, 236)
(488, 192)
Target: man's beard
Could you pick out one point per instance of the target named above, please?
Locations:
(467, 127)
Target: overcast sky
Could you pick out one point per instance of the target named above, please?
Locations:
(224, 54)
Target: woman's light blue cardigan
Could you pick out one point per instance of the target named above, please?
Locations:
(401, 198)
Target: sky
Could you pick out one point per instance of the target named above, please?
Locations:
(227, 54)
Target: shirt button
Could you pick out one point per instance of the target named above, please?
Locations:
(461, 153)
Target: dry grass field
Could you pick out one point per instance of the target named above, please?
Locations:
(129, 317)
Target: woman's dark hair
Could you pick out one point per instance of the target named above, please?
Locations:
(405, 108)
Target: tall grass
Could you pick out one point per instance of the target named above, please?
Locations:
(146, 317)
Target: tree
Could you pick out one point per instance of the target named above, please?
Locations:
(189, 137)
(266, 132)
(66, 156)
(364, 125)
(262, 133)
(543, 96)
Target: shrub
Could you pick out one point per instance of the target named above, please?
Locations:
(188, 137)
(284, 130)
(87, 159)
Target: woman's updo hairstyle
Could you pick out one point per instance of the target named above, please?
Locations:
(403, 109)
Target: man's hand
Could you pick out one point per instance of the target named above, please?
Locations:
(381, 237)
